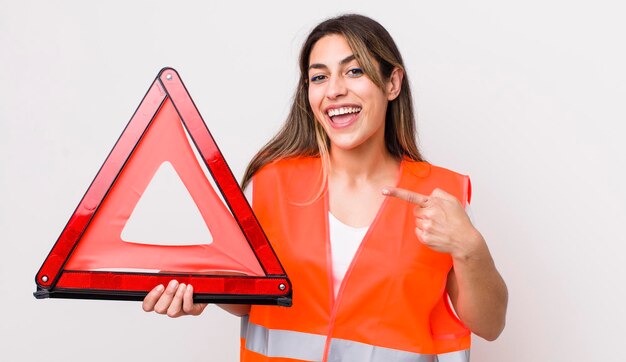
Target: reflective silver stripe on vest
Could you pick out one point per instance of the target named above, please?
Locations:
(458, 356)
(243, 326)
(345, 350)
(310, 347)
(281, 343)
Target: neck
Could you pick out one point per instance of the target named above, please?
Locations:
(362, 163)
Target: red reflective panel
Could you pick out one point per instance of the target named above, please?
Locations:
(206, 288)
(90, 258)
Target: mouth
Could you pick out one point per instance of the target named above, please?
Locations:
(343, 116)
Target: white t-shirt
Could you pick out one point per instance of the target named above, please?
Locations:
(344, 242)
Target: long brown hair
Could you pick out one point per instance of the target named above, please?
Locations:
(301, 135)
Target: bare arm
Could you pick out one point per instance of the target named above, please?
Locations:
(239, 310)
(478, 293)
(477, 290)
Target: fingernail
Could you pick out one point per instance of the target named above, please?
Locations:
(385, 192)
(173, 285)
(160, 288)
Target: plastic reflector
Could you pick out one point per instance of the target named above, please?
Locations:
(227, 259)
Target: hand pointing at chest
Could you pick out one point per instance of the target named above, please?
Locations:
(441, 222)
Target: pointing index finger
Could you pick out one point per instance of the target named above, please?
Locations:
(406, 195)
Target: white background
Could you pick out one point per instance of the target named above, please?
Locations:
(526, 97)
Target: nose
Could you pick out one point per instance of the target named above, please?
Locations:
(336, 87)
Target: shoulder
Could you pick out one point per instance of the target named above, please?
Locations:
(296, 179)
(425, 169)
(440, 177)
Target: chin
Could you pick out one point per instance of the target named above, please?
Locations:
(345, 145)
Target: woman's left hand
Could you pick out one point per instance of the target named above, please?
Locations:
(441, 222)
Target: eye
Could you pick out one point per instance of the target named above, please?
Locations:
(355, 72)
(318, 78)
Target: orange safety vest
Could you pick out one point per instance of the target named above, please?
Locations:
(392, 304)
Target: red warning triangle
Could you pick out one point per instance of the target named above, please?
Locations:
(92, 260)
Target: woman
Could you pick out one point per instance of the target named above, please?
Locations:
(371, 236)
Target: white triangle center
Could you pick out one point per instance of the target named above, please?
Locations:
(166, 214)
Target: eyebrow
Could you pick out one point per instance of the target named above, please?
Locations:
(345, 60)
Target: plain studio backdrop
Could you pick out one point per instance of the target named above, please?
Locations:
(525, 97)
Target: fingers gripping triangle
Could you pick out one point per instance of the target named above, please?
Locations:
(96, 257)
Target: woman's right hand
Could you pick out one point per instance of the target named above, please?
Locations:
(176, 300)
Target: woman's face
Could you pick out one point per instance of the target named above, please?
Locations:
(349, 106)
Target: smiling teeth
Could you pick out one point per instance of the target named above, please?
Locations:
(343, 110)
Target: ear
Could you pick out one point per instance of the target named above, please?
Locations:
(394, 84)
